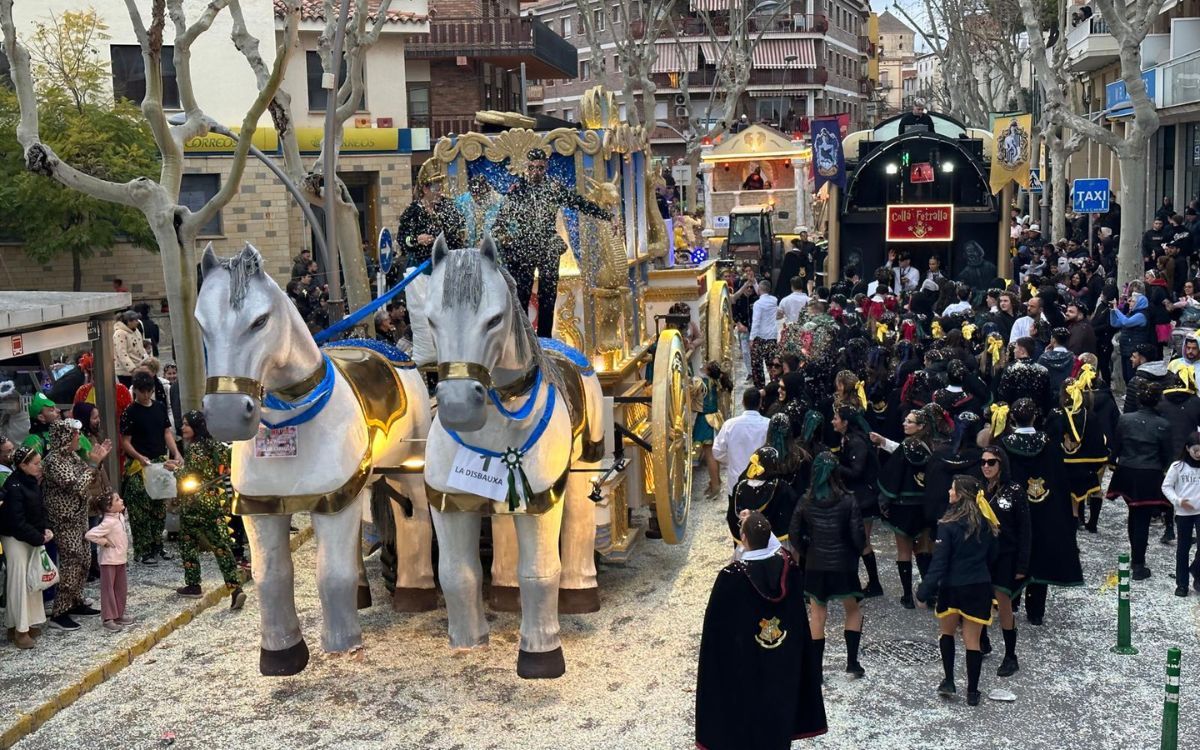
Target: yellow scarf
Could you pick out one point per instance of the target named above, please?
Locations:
(999, 418)
(862, 394)
(986, 509)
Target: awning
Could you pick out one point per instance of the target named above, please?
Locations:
(674, 57)
(773, 53)
(710, 5)
(775, 92)
(711, 52)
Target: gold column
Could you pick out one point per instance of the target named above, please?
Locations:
(833, 260)
(1003, 257)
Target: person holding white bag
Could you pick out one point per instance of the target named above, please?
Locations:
(23, 531)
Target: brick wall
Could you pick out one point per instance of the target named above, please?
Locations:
(456, 8)
(262, 213)
(457, 89)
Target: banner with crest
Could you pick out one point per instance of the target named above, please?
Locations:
(1012, 149)
(828, 161)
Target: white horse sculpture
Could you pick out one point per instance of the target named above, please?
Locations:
(347, 412)
(510, 408)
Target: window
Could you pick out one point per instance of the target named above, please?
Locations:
(129, 74)
(317, 95)
(566, 26)
(585, 70)
(197, 189)
(569, 115)
(598, 19)
(418, 105)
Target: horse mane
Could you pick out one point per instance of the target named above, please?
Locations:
(463, 285)
(242, 267)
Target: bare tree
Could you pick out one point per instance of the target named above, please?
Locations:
(1059, 143)
(174, 226)
(1128, 23)
(641, 25)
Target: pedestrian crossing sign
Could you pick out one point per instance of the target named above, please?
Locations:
(1035, 180)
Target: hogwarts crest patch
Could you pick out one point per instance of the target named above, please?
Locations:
(770, 635)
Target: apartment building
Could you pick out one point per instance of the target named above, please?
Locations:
(897, 56)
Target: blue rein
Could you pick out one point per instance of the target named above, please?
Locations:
(534, 436)
(527, 409)
(316, 400)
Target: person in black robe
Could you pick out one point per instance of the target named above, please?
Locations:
(763, 488)
(758, 684)
(1036, 461)
(1010, 568)
(1081, 436)
(958, 456)
(797, 261)
(858, 469)
(1024, 378)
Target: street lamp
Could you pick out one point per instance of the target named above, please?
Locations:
(179, 118)
(787, 64)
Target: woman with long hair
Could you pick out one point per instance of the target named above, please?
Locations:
(1010, 568)
(827, 533)
(858, 470)
(795, 462)
(762, 488)
(709, 420)
(959, 580)
(202, 517)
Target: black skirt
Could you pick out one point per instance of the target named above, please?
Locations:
(1137, 486)
(1004, 574)
(909, 520)
(973, 601)
(824, 586)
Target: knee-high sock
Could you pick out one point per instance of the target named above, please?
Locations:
(946, 644)
(985, 641)
(818, 647)
(1010, 642)
(923, 560)
(1094, 504)
(905, 569)
(974, 666)
(853, 637)
(872, 567)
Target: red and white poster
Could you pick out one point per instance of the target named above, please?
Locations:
(920, 223)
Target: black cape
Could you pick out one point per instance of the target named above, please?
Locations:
(1036, 464)
(774, 498)
(758, 684)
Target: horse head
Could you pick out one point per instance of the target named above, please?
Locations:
(252, 337)
(480, 333)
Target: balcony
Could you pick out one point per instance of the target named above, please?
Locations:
(535, 93)
(1090, 46)
(504, 42)
(798, 23)
(706, 77)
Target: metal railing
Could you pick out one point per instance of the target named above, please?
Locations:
(1180, 80)
(707, 76)
(812, 23)
(468, 36)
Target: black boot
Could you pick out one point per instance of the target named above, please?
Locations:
(873, 586)
(905, 569)
(974, 666)
(1009, 665)
(985, 642)
(923, 560)
(1094, 504)
(946, 644)
(852, 640)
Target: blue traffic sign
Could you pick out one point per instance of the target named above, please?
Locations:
(1090, 196)
(386, 252)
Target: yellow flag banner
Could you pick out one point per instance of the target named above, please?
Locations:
(1011, 151)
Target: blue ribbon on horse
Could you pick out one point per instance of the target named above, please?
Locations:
(512, 456)
(358, 316)
(525, 410)
(316, 400)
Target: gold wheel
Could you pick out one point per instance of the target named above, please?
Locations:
(720, 338)
(671, 437)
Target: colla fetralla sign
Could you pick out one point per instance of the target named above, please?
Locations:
(920, 223)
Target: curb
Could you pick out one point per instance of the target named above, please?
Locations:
(28, 723)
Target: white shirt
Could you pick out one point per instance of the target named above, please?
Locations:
(962, 306)
(792, 305)
(871, 288)
(907, 279)
(1022, 326)
(763, 324)
(736, 442)
(772, 548)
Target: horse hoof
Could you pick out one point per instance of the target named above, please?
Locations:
(364, 597)
(414, 600)
(541, 666)
(578, 601)
(283, 663)
(505, 598)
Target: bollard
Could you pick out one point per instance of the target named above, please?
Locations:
(1124, 629)
(1170, 720)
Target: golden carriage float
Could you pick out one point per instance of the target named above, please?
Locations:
(615, 291)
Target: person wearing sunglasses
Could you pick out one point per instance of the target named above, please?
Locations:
(1010, 568)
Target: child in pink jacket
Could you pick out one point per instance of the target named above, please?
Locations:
(111, 535)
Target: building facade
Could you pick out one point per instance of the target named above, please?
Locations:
(811, 61)
(375, 161)
(897, 57)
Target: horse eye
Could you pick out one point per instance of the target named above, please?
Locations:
(259, 322)
(495, 321)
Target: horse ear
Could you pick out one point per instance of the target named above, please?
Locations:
(440, 248)
(209, 261)
(250, 253)
(487, 247)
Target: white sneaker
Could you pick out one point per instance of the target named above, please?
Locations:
(112, 625)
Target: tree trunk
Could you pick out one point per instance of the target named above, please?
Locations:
(1132, 157)
(1058, 183)
(350, 249)
(76, 272)
(179, 271)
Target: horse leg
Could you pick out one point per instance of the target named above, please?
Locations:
(539, 569)
(415, 591)
(282, 650)
(338, 558)
(578, 592)
(504, 595)
(362, 594)
(461, 576)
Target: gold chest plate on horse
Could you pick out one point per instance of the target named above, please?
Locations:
(381, 397)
